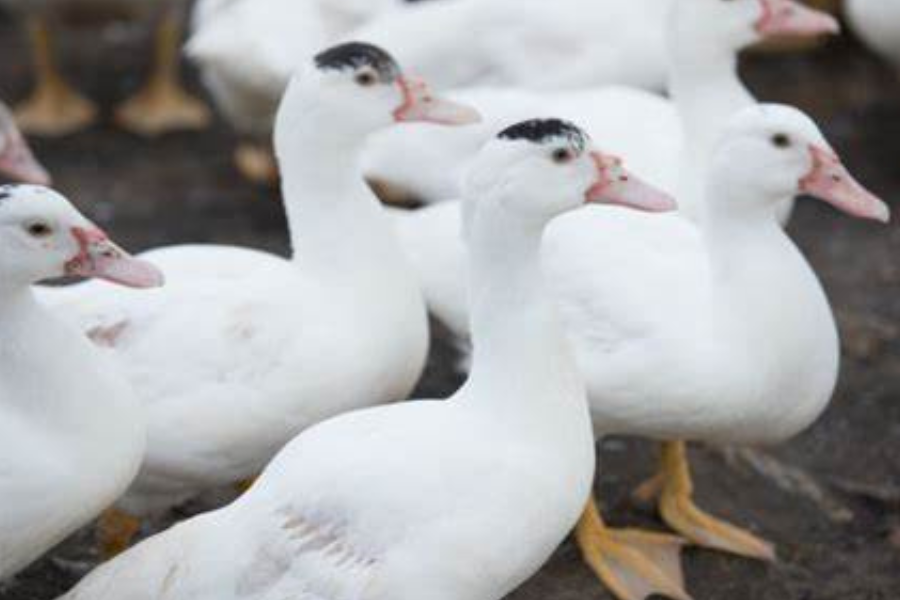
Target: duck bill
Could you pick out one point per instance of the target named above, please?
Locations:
(17, 162)
(421, 106)
(100, 258)
(615, 185)
(790, 18)
(830, 181)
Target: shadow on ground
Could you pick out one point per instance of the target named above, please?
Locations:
(831, 498)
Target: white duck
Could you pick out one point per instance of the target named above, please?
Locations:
(71, 430)
(877, 22)
(667, 141)
(16, 159)
(56, 108)
(718, 332)
(528, 43)
(745, 349)
(456, 500)
(267, 346)
(247, 51)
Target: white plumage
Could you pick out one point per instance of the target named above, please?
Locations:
(243, 349)
(461, 499)
(666, 140)
(428, 162)
(528, 43)
(675, 326)
(72, 432)
(247, 50)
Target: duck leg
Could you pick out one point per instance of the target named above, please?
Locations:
(676, 506)
(115, 531)
(633, 564)
(54, 108)
(163, 105)
(256, 163)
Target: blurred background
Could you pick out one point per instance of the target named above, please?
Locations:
(830, 499)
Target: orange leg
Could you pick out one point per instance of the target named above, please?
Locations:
(54, 108)
(631, 563)
(163, 105)
(674, 488)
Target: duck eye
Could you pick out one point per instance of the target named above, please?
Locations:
(366, 78)
(562, 156)
(38, 229)
(781, 140)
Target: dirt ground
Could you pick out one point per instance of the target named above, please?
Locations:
(830, 499)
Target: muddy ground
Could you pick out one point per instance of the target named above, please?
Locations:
(830, 499)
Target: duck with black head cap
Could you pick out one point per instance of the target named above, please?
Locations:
(723, 358)
(244, 349)
(460, 499)
(669, 141)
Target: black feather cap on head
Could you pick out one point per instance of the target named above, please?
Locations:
(354, 55)
(542, 131)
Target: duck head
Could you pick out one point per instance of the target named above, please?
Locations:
(544, 167)
(16, 159)
(769, 152)
(736, 24)
(42, 236)
(361, 88)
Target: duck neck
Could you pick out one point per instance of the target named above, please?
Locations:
(521, 363)
(338, 230)
(707, 92)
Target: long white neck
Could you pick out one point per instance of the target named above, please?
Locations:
(522, 366)
(706, 89)
(707, 92)
(338, 229)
